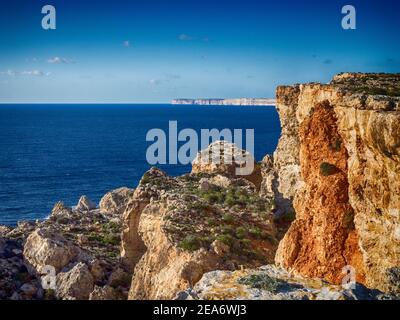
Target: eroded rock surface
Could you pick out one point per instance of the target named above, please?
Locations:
(273, 283)
(179, 224)
(116, 201)
(83, 247)
(225, 158)
(347, 211)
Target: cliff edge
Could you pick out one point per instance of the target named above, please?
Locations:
(343, 169)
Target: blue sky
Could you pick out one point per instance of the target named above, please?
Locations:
(154, 51)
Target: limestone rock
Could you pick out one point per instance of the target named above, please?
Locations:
(28, 289)
(171, 224)
(227, 159)
(221, 181)
(116, 201)
(286, 178)
(4, 230)
(349, 193)
(273, 283)
(43, 248)
(103, 293)
(220, 248)
(75, 284)
(85, 204)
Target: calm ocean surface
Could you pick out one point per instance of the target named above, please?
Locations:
(60, 152)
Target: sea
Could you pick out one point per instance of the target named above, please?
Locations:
(51, 153)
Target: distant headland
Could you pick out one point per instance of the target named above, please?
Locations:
(227, 102)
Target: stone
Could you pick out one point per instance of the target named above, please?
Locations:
(119, 277)
(116, 201)
(103, 293)
(204, 184)
(272, 283)
(171, 220)
(4, 230)
(75, 284)
(28, 289)
(227, 159)
(96, 269)
(44, 248)
(220, 248)
(85, 204)
(221, 181)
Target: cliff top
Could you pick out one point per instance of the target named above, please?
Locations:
(386, 84)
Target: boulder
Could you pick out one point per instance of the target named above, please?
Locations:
(103, 293)
(116, 201)
(227, 159)
(43, 248)
(85, 204)
(28, 289)
(76, 284)
(273, 283)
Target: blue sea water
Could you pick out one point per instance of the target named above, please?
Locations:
(60, 152)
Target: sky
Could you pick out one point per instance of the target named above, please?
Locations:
(154, 51)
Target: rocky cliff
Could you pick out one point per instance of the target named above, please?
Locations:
(330, 194)
(227, 102)
(190, 225)
(345, 139)
(76, 250)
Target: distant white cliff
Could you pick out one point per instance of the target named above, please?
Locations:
(228, 102)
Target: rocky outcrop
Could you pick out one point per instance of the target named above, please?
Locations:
(286, 162)
(227, 102)
(75, 284)
(273, 283)
(116, 201)
(188, 230)
(85, 204)
(48, 249)
(83, 246)
(348, 198)
(222, 157)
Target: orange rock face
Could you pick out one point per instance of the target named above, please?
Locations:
(322, 240)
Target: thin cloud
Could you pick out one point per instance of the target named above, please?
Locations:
(59, 60)
(32, 60)
(155, 82)
(185, 37)
(35, 73)
(172, 76)
(10, 73)
(126, 43)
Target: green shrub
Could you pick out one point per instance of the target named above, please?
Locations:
(348, 220)
(111, 239)
(190, 243)
(145, 179)
(337, 145)
(241, 233)
(287, 217)
(228, 218)
(49, 294)
(227, 229)
(327, 169)
(262, 281)
(226, 238)
(256, 232)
